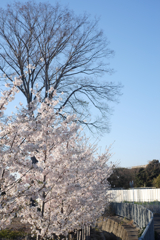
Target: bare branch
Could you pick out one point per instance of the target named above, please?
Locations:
(71, 48)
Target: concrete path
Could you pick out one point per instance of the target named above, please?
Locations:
(157, 226)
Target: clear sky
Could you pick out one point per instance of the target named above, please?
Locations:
(133, 29)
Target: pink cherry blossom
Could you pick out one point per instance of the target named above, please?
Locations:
(68, 182)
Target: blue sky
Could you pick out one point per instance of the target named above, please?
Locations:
(133, 29)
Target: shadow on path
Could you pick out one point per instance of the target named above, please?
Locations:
(157, 225)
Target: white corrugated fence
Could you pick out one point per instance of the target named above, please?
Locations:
(136, 195)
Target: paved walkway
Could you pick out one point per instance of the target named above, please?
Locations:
(157, 226)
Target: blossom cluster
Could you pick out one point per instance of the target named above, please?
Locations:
(67, 181)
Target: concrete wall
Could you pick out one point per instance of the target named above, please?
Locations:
(111, 226)
(139, 214)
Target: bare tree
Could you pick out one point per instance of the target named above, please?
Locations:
(66, 52)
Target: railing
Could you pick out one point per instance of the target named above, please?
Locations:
(139, 214)
(148, 233)
(83, 234)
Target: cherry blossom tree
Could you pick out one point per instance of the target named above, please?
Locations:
(68, 180)
(8, 186)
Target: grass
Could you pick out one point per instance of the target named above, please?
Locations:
(11, 234)
(16, 230)
(139, 202)
(144, 203)
(140, 232)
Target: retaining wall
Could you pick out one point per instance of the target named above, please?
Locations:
(140, 215)
(119, 229)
